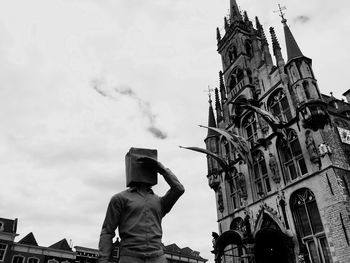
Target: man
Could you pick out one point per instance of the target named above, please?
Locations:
(137, 213)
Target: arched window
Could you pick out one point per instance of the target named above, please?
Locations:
(232, 180)
(309, 226)
(248, 48)
(279, 106)
(232, 82)
(249, 74)
(18, 259)
(239, 74)
(250, 128)
(260, 174)
(307, 90)
(292, 157)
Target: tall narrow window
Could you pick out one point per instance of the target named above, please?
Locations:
(251, 131)
(233, 82)
(279, 106)
(3, 248)
(235, 193)
(309, 226)
(260, 174)
(292, 157)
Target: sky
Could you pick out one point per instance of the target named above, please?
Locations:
(82, 81)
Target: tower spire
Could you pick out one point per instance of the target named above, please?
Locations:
(234, 11)
(293, 50)
(211, 116)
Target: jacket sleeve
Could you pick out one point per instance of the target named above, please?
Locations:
(173, 194)
(109, 226)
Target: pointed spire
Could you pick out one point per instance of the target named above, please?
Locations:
(275, 43)
(218, 36)
(211, 118)
(234, 11)
(260, 30)
(293, 50)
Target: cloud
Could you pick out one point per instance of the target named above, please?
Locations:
(302, 19)
(144, 106)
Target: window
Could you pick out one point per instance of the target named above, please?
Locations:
(292, 157)
(233, 182)
(260, 174)
(309, 226)
(279, 106)
(1, 226)
(248, 48)
(250, 128)
(3, 248)
(18, 259)
(33, 260)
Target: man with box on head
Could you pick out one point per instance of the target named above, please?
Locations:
(137, 212)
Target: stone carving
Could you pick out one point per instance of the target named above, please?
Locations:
(214, 181)
(242, 186)
(311, 147)
(273, 164)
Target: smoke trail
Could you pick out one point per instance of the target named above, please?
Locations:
(144, 106)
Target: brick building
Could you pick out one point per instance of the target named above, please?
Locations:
(278, 152)
(27, 250)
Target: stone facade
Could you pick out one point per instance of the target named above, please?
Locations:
(296, 172)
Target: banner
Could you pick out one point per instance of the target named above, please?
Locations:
(344, 135)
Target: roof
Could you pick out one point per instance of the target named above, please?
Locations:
(61, 245)
(85, 249)
(28, 240)
(184, 252)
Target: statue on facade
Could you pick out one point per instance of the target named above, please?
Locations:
(273, 164)
(242, 185)
(311, 147)
(125, 208)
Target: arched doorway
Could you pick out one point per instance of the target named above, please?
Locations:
(271, 244)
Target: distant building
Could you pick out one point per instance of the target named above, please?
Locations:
(281, 172)
(27, 250)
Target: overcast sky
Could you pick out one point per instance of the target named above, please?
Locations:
(82, 81)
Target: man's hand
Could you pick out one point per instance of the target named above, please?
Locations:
(152, 164)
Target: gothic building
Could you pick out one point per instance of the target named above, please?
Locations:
(279, 161)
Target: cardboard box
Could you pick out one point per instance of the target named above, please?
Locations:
(135, 172)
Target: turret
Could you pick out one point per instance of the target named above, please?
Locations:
(310, 106)
(211, 141)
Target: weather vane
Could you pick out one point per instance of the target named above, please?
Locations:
(280, 10)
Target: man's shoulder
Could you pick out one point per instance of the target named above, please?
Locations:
(120, 195)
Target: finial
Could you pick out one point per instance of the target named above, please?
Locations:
(275, 43)
(280, 10)
(218, 36)
(210, 90)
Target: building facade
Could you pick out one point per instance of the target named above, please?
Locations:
(281, 172)
(27, 250)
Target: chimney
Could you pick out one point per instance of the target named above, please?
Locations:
(346, 94)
